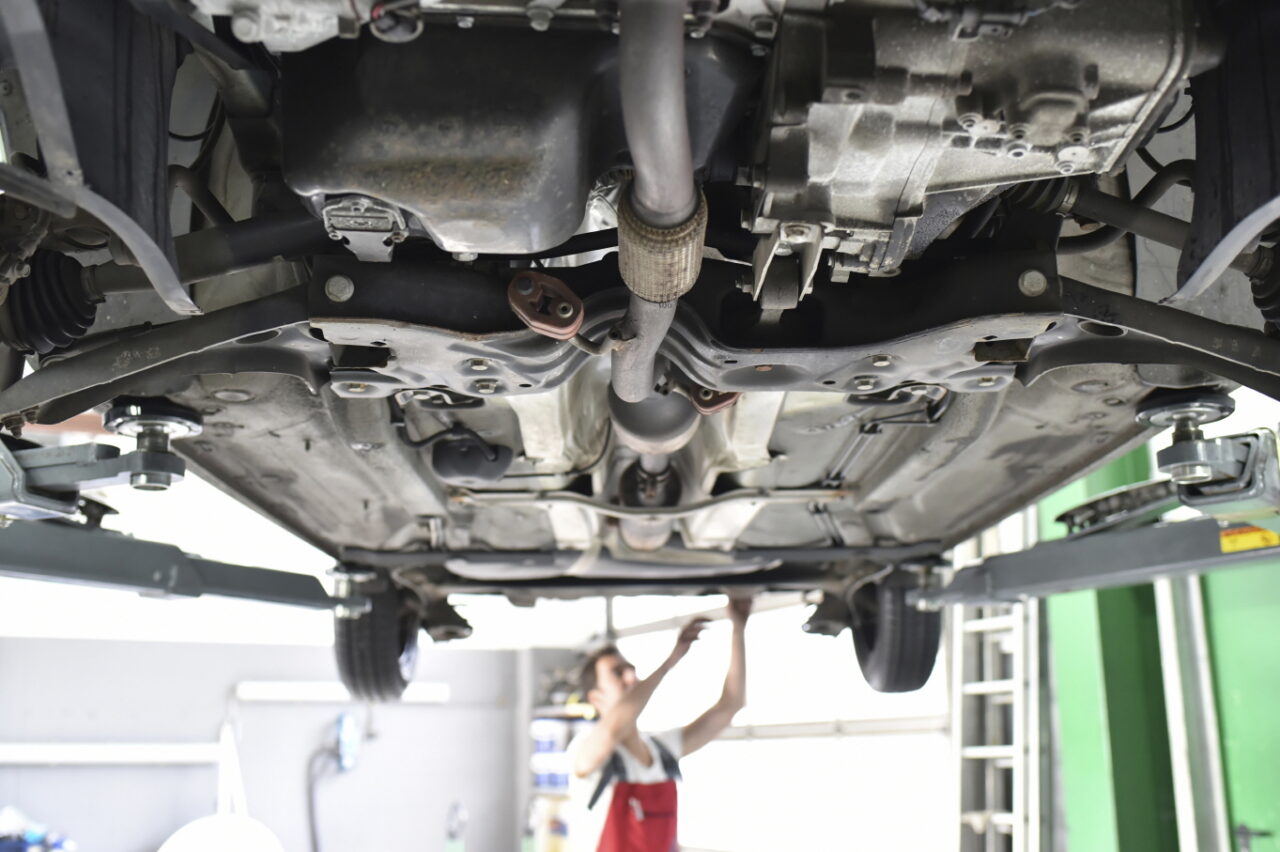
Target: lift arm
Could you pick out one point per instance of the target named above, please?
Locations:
(52, 550)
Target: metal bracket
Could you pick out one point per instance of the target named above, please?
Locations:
(368, 227)
(797, 240)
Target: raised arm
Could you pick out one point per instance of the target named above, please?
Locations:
(619, 721)
(733, 697)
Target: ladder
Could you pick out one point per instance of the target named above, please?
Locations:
(995, 707)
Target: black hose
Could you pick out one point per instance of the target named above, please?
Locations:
(315, 771)
(456, 432)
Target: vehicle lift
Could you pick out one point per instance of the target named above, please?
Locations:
(1114, 540)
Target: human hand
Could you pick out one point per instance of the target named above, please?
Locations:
(739, 610)
(688, 635)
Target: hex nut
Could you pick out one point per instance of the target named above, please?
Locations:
(339, 288)
(564, 310)
(881, 360)
(478, 365)
(987, 381)
(865, 383)
(486, 386)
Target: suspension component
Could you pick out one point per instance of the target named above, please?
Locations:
(1192, 459)
(153, 422)
(51, 308)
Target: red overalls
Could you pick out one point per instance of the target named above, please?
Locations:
(642, 817)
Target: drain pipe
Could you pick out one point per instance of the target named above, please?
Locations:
(662, 220)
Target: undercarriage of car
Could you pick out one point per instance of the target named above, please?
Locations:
(568, 298)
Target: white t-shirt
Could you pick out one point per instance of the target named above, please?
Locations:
(585, 825)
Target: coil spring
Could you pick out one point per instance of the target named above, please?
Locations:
(50, 308)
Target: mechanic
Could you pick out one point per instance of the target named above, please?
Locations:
(622, 788)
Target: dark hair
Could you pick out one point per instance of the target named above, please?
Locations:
(587, 677)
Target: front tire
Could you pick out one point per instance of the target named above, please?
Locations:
(896, 643)
(377, 651)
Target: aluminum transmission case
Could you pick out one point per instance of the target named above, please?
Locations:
(872, 119)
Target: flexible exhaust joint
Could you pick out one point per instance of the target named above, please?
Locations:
(662, 220)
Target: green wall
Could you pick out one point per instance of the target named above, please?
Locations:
(1116, 782)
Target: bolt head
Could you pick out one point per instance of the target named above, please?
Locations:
(865, 383)
(339, 288)
(151, 481)
(1032, 283)
(478, 365)
(355, 387)
(465, 256)
(795, 232)
(524, 285)
(881, 360)
(987, 381)
(466, 22)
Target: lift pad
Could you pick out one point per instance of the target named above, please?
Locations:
(1103, 560)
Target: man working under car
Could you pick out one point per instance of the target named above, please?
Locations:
(622, 788)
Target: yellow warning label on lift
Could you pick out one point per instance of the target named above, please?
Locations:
(1237, 539)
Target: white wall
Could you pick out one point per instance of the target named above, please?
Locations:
(424, 757)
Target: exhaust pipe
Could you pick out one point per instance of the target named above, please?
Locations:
(662, 220)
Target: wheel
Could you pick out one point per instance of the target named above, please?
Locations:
(377, 651)
(896, 643)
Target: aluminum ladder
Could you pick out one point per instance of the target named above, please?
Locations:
(995, 708)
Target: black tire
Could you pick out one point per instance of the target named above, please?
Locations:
(377, 651)
(896, 643)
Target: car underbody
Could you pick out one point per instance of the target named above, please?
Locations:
(567, 298)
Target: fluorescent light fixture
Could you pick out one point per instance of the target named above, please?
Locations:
(329, 692)
(108, 754)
